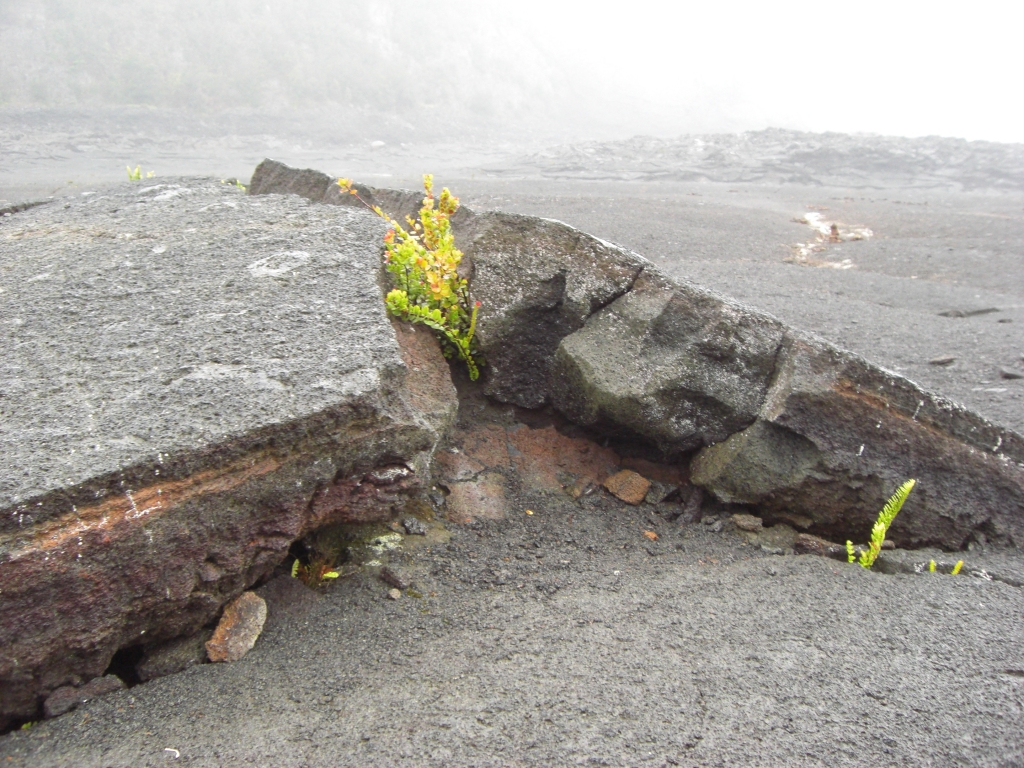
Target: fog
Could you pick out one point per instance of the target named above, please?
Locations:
(418, 70)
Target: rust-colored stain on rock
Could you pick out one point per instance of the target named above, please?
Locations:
(628, 486)
(238, 629)
(545, 456)
(482, 498)
(487, 445)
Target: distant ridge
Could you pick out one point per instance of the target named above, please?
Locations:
(782, 156)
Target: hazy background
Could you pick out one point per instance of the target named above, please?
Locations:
(403, 70)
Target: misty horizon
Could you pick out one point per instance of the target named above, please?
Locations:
(436, 72)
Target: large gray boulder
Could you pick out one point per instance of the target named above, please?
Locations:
(538, 281)
(670, 362)
(836, 436)
(190, 380)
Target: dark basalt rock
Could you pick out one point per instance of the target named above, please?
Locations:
(673, 363)
(837, 435)
(203, 378)
(538, 281)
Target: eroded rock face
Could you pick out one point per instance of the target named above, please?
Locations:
(672, 363)
(794, 427)
(202, 378)
(836, 436)
(538, 281)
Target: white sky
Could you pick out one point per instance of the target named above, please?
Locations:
(901, 68)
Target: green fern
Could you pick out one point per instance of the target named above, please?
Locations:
(881, 526)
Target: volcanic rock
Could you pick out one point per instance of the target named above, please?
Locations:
(68, 697)
(671, 362)
(538, 281)
(238, 629)
(747, 522)
(628, 486)
(836, 436)
(173, 656)
(198, 379)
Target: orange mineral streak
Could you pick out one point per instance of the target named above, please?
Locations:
(141, 505)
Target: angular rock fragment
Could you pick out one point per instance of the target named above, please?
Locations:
(414, 526)
(659, 492)
(238, 629)
(748, 523)
(628, 486)
(837, 435)
(395, 576)
(807, 544)
(65, 699)
(673, 363)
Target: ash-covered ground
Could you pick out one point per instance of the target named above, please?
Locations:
(569, 637)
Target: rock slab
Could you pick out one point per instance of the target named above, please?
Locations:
(197, 379)
(780, 421)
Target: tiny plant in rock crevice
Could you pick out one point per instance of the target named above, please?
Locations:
(423, 262)
(314, 573)
(932, 567)
(881, 527)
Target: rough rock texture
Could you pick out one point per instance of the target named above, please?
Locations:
(66, 698)
(272, 177)
(238, 629)
(836, 436)
(794, 427)
(173, 656)
(669, 362)
(538, 279)
(628, 486)
(192, 379)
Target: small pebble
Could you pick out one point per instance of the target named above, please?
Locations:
(414, 526)
(394, 594)
(395, 577)
(943, 360)
(772, 550)
(1006, 373)
(748, 522)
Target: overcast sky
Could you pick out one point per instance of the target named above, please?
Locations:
(897, 67)
(601, 69)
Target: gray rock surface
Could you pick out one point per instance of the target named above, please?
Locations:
(67, 698)
(191, 380)
(173, 656)
(273, 177)
(539, 280)
(836, 436)
(672, 363)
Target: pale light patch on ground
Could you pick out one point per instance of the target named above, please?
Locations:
(826, 233)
